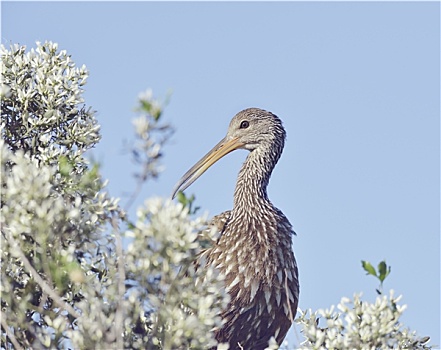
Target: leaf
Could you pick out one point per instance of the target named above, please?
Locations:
(368, 268)
(130, 225)
(182, 198)
(187, 202)
(64, 166)
(383, 270)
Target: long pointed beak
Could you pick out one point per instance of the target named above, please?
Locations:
(221, 149)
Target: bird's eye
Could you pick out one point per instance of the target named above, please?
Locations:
(245, 124)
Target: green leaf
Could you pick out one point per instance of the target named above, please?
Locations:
(65, 166)
(130, 225)
(368, 268)
(187, 202)
(383, 270)
(182, 198)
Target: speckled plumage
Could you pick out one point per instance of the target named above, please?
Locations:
(254, 248)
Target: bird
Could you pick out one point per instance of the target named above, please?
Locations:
(253, 251)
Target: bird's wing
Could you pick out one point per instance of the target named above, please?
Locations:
(285, 222)
(211, 235)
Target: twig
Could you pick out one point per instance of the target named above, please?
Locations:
(44, 286)
(137, 191)
(10, 334)
(121, 288)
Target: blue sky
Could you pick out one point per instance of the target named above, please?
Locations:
(356, 84)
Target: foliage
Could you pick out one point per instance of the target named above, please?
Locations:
(383, 272)
(360, 324)
(187, 202)
(66, 281)
(41, 93)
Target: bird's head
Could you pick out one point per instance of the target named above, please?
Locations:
(253, 128)
(250, 129)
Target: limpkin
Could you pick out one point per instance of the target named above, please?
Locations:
(254, 249)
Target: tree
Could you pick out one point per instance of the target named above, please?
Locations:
(66, 281)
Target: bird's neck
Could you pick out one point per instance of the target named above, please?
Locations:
(253, 179)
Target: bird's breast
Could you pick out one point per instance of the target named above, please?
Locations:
(259, 258)
(259, 306)
(255, 258)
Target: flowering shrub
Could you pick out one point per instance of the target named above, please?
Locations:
(54, 208)
(66, 281)
(182, 309)
(41, 92)
(360, 324)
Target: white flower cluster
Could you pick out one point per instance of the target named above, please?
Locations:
(54, 209)
(46, 235)
(182, 312)
(359, 325)
(41, 97)
(150, 136)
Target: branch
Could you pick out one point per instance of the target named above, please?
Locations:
(44, 286)
(121, 286)
(10, 334)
